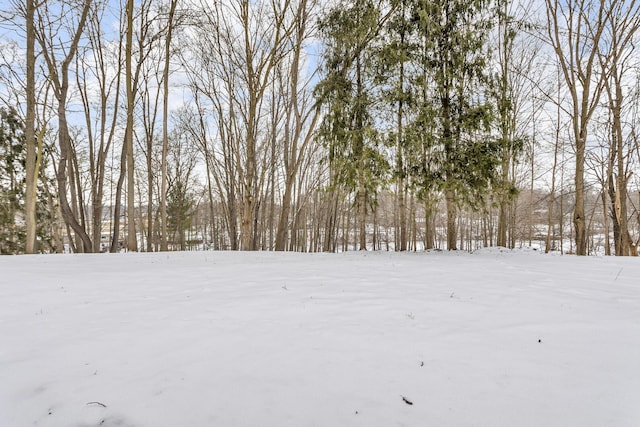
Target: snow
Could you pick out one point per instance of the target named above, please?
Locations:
(494, 338)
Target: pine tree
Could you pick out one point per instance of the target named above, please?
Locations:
(13, 190)
(180, 204)
(348, 130)
(394, 65)
(12, 183)
(462, 156)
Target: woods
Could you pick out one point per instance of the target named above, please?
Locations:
(294, 125)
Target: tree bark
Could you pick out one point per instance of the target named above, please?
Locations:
(132, 238)
(451, 221)
(30, 167)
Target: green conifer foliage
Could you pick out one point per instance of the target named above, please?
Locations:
(180, 204)
(12, 142)
(13, 187)
(460, 155)
(348, 130)
(414, 74)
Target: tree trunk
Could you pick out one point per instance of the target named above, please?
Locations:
(115, 238)
(362, 217)
(451, 220)
(552, 195)
(132, 240)
(65, 158)
(578, 211)
(285, 209)
(402, 206)
(30, 139)
(624, 240)
(429, 226)
(165, 131)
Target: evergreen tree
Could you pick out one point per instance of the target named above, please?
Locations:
(13, 190)
(394, 67)
(355, 161)
(462, 157)
(12, 182)
(180, 204)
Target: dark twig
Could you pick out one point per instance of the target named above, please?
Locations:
(97, 403)
(618, 275)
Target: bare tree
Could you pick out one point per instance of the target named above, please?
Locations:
(30, 137)
(616, 62)
(301, 113)
(132, 241)
(517, 53)
(556, 150)
(240, 45)
(149, 98)
(146, 35)
(165, 125)
(46, 28)
(575, 31)
(101, 64)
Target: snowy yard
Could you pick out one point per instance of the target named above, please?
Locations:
(222, 339)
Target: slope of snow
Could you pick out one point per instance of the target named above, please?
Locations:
(222, 339)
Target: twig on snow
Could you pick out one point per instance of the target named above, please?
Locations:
(97, 403)
(618, 275)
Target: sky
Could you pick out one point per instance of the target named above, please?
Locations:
(493, 338)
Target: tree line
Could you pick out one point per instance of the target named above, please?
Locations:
(149, 125)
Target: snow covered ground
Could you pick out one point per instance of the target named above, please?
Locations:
(222, 339)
